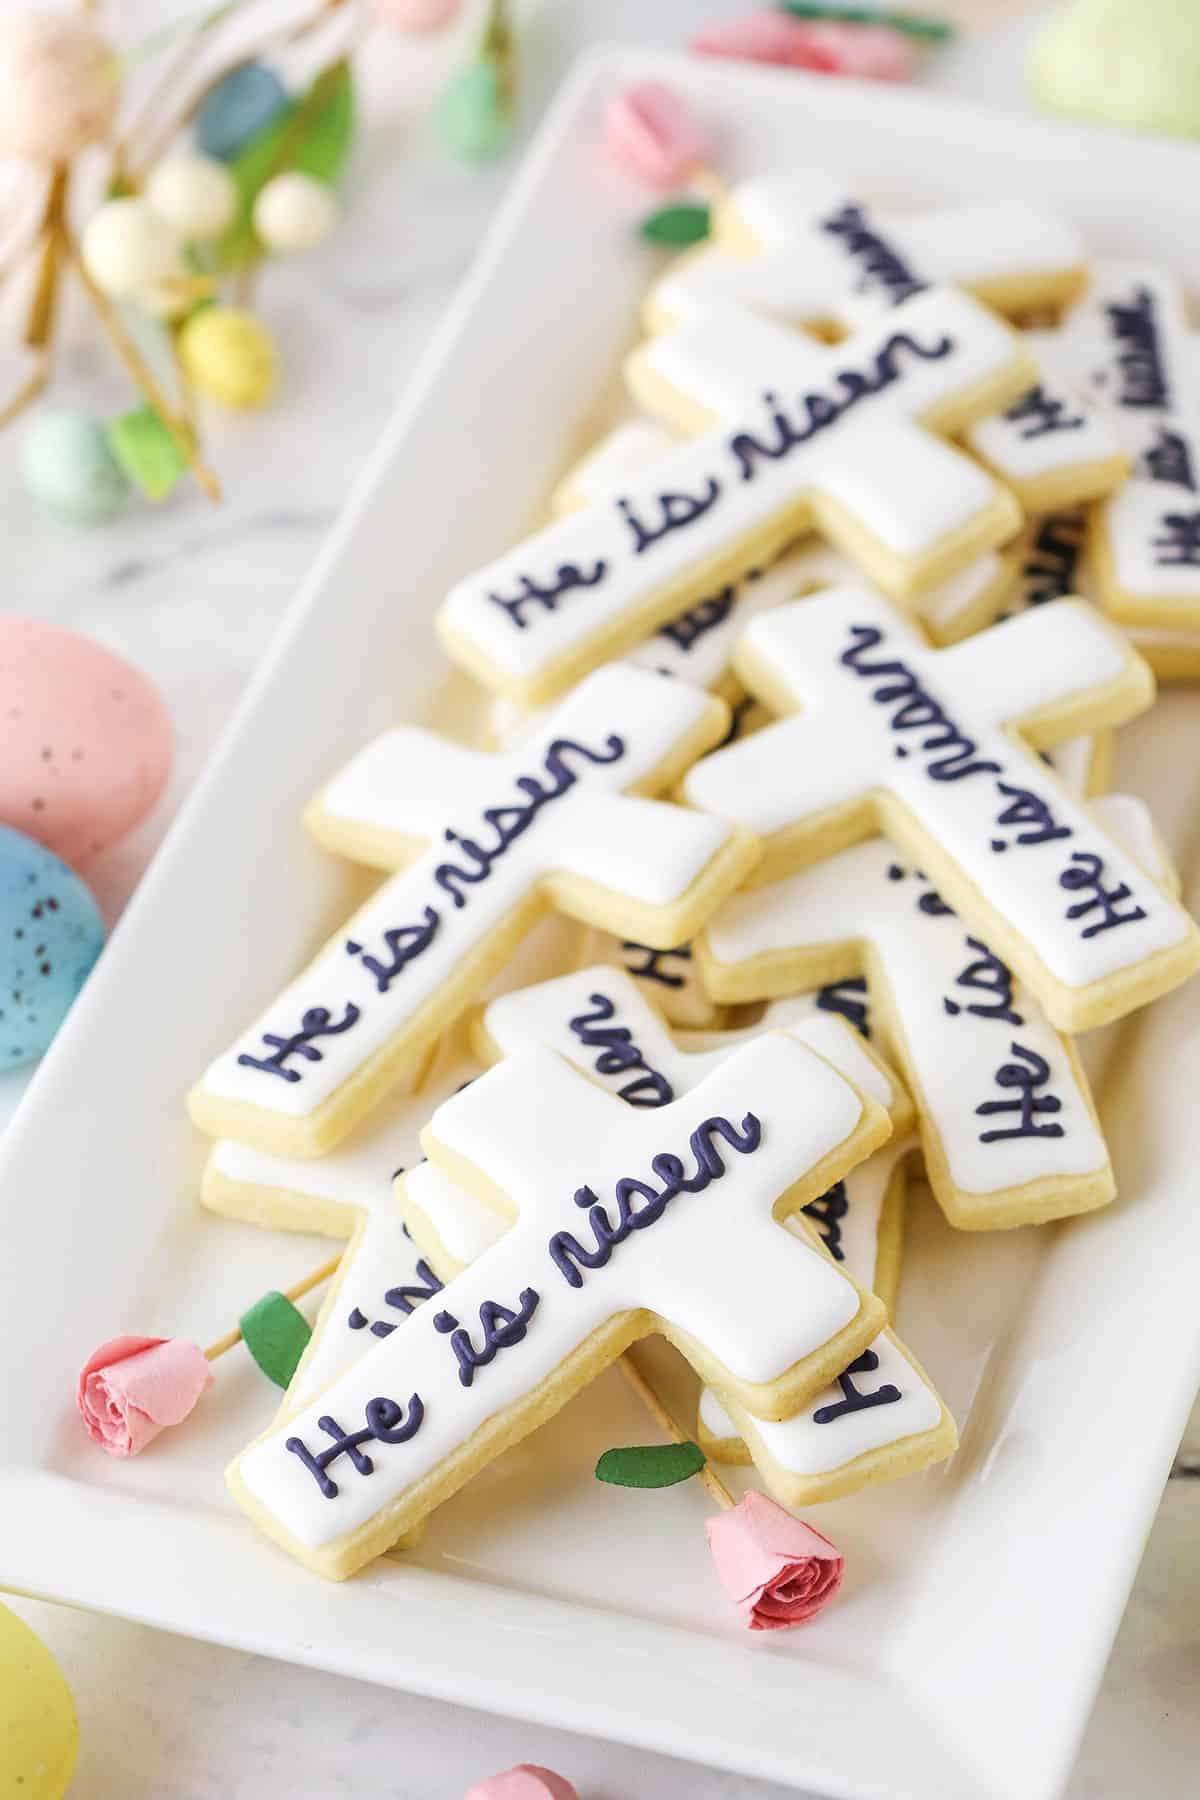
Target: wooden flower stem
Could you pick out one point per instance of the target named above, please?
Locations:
(220, 1345)
(144, 376)
(668, 1425)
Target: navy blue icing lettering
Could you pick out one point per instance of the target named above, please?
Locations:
(677, 510)
(1178, 545)
(501, 1328)
(1032, 813)
(915, 710)
(402, 944)
(879, 264)
(510, 822)
(828, 1211)
(405, 1299)
(1040, 414)
(818, 411)
(1053, 559)
(985, 973)
(567, 579)
(853, 1400)
(652, 968)
(619, 1053)
(1136, 333)
(1169, 459)
(1027, 1076)
(686, 631)
(639, 1205)
(387, 1423)
(848, 999)
(1086, 876)
(317, 1022)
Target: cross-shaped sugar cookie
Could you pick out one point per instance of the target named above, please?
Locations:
(624, 1224)
(934, 748)
(908, 508)
(798, 246)
(559, 821)
(850, 447)
(598, 1020)
(1008, 1127)
(881, 1418)
(1128, 342)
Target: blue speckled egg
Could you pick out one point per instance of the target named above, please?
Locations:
(51, 933)
(68, 466)
(238, 108)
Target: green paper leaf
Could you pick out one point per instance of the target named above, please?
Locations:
(317, 145)
(650, 1465)
(915, 25)
(683, 222)
(147, 452)
(275, 1334)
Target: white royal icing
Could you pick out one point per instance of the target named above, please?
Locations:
(413, 782)
(993, 1080)
(713, 499)
(626, 450)
(908, 488)
(883, 714)
(670, 978)
(541, 1131)
(820, 253)
(1049, 430)
(599, 1020)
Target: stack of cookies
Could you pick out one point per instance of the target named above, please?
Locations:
(786, 870)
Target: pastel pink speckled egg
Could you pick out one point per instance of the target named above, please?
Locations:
(87, 740)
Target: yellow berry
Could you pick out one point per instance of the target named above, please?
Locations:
(229, 356)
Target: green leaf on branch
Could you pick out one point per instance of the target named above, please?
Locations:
(682, 223)
(275, 1334)
(313, 137)
(650, 1465)
(147, 451)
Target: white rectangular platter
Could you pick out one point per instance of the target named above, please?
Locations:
(981, 1598)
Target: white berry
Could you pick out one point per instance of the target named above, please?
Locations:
(294, 212)
(127, 247)
(196, 195)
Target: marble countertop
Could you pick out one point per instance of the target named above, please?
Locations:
(193, 594)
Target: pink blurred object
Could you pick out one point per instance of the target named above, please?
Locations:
(776, 1569)
(132, 1388)
(87, 740)
(653, 132)
(829, 47)
(525, 1782)
(416, 15)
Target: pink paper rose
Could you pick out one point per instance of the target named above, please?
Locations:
(525, 1782)
(132, 1388)
(777, 1571)
(653, 132)
(829, 47)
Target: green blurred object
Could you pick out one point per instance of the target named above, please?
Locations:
(683, 222)
(275, 1334)
(314, 137)
(650, 1465)
(147, 452)
(474, 112)
(1125, 62)
(914, 25)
